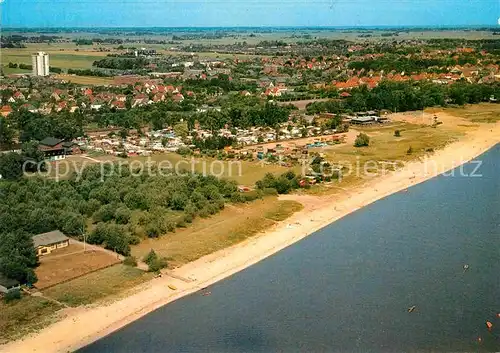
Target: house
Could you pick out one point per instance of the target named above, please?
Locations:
(5, 110)
(362, 120)
(119, 105)
(71, 148)
(45, 243)
(7, 284)
(19, 96)
(52, 148)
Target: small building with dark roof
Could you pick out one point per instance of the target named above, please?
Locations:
(52, 148)
(45, 243)
(8, 284)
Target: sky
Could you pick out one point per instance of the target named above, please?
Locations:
(222, 13)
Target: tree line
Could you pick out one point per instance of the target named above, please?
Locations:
(121, 207)
(407, 96)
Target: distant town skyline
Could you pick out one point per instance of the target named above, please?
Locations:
(242, 13)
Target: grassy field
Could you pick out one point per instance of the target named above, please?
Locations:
(385, 148)
(70, 60)
(233, 225)
(23, 316)
(97, 285)
(71, 262)
(243, 172)
(476, 113)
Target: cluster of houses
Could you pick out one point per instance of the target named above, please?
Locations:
(35, 101)
(135, 144)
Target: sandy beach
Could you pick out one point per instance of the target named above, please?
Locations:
(82, 326)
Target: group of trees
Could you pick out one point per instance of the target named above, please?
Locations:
(269, 115)
(412, 64)
(406, 96)
(283, 184)
(121, 63)
(14, 164)
(213, 143)
(123, 206)
(87, 72)
(36, 126)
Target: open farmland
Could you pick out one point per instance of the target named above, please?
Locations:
(74, 60)
(86, 80)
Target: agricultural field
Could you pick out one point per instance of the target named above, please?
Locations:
(234, 224)
(71, 262)
(58, 58)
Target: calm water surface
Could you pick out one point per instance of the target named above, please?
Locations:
(347, 288)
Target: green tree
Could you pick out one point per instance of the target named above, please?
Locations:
(11, 166)
(362, 140)
(6, 133)
(181, 130)
(18, 257)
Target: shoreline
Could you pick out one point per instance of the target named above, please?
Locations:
(83, 326)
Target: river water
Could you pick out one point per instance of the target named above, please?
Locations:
(348, 287)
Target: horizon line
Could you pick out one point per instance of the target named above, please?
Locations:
(465, 26)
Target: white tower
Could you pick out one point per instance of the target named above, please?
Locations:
(40, 63)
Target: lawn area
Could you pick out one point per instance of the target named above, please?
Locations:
(243, 172)
(476, 113)
(86, 80)
(10, 71)
(385, 147)
(205, 236)
(21, 317)
(69, 263)
(97, 285)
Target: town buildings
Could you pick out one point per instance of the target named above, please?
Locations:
(40, 63)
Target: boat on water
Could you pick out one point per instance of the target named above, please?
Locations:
(412, 309)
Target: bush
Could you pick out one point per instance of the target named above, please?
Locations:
(130, 261)
(409, 151)
(154, 263)
(237, 197)
(12, 295)
(270, 191)
(204, 212)
(283, 185)
(362, 140)
(252, 195)
(397, 133)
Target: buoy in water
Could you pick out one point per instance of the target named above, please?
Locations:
(489, 325)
